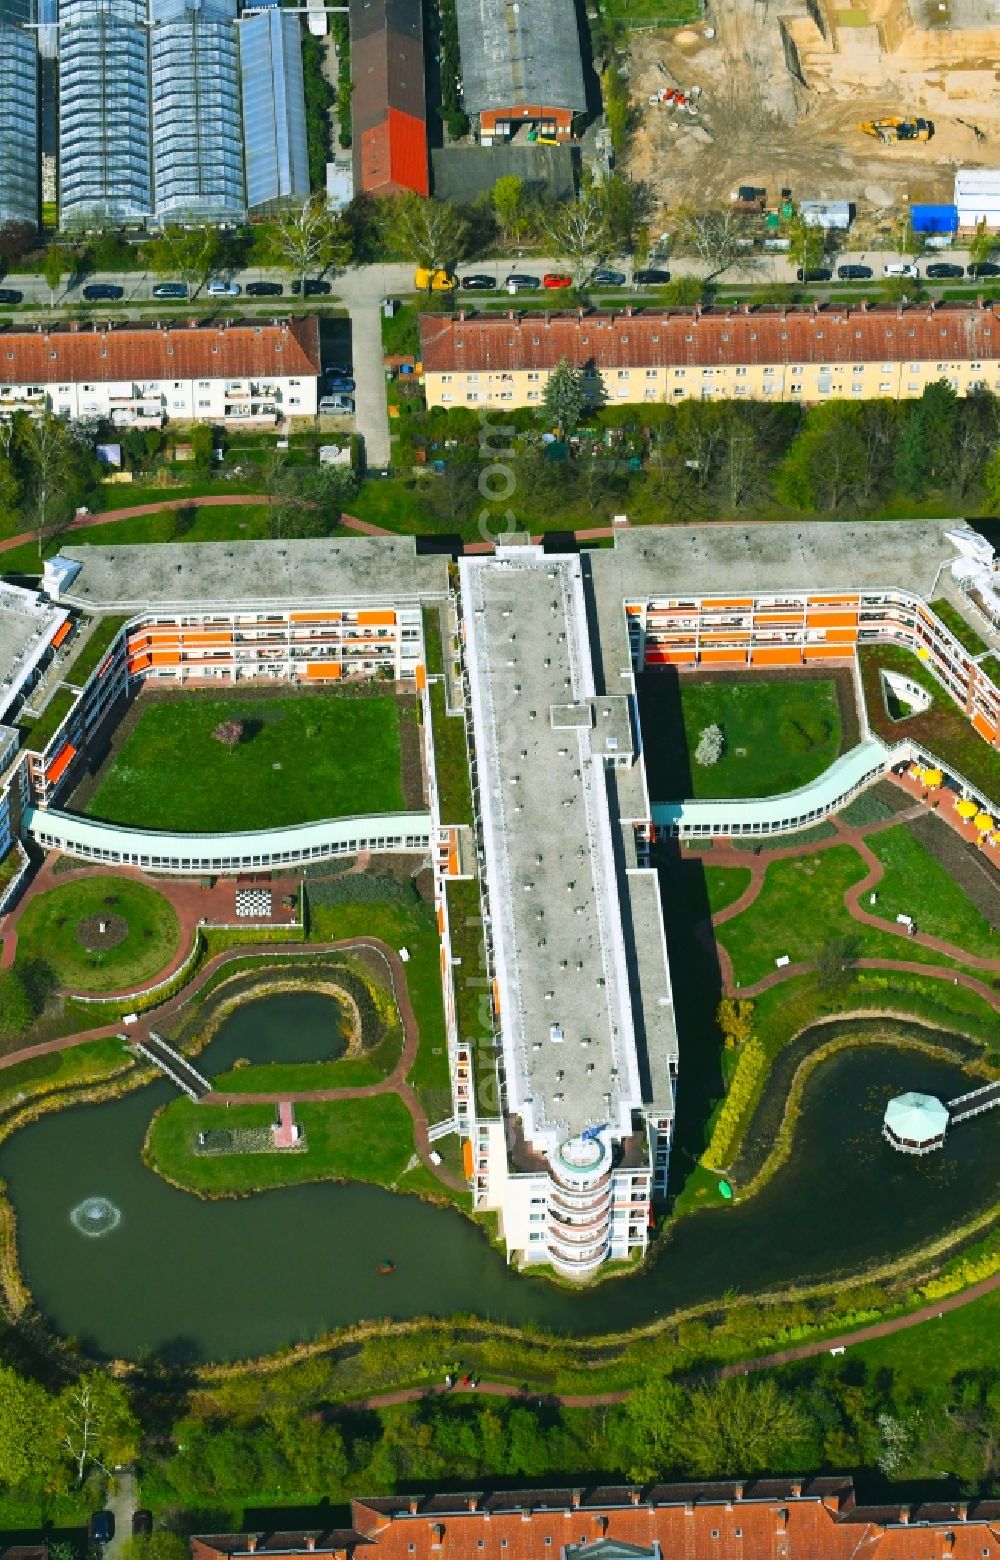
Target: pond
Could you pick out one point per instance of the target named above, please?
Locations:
(299, 1026)
(147, 1270)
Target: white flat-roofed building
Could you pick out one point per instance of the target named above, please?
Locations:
(575, 1186)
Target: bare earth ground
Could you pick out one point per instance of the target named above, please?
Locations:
(757, 124)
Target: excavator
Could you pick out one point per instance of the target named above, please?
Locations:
(889, 130)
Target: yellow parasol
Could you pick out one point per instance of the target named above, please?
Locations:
(922, 654)
(983, 822)
(966, 809)
(932, 777)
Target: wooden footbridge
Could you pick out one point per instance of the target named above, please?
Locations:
(177, 1067)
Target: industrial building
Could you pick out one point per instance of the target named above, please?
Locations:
(105, 178)
(179, 114)
(388, 107)
(566, 1105)
(142, 375)
(19, 173)
(977, 199)
(780, 354)
(274, 110)
(196, 112)
(521, 67)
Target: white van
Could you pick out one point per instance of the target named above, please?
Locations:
(223, 289)
(336, 405)
(900, 268)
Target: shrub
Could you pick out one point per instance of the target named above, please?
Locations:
(711, 746)
(750, 1070)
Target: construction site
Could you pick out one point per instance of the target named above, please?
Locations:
(782, 92)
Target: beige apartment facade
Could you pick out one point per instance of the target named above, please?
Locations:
(809, 355)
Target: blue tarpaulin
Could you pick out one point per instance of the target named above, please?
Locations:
(934, 219)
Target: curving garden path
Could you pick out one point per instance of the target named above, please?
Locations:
(723, 855)
(395, 1083)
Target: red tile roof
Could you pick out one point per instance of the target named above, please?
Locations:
(130, 353)
(394, 155)
(701, 337)
(765, 1520)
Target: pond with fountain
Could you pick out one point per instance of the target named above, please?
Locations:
(133, 1267)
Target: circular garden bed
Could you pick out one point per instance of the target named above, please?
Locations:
(63, 930)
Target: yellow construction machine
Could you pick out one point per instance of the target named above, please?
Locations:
(895, 129)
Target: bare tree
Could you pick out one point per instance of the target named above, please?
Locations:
(45, 444)
(229, 733)
(718, 237)
(578, 234)
(97, 1424)
(308, 238)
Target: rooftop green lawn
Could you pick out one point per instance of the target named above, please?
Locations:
(916, 884)
(963, 631)
(725, 885)
(451, 760)
(38, 733)
(317, 756)
(59, 928)
(94, 649)
(472, 985)
(779, 735)
(991, 666)
(800, 909)
(357, 1140)
(943, 730)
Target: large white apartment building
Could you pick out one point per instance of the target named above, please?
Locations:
(567, 1104)
(142, 375)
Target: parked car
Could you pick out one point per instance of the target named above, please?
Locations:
(313, 287)
(102, 1527)
(817, 275)
(605, 278)
(219, 289)
(651, 278)
(340, 385)
(337, 371)
(170, 290)
(942, 269)
(479, 283)
(336, 405)
(517, 282)
(264, 290)
(556, 279)
(11, 295)
(142, 1521)
(97, 292)
(984, 268)
(900, 268)
(854, 273)
(434, 281)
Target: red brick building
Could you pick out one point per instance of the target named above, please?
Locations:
(388, 108)
(768, 1519)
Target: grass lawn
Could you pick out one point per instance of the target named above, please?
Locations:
(88, 1063)
(991, 666)
(414, 927)
(963, 631)
(943, 729)
(451, 761)
(357, 1140)
(788, 1007)
(49, 930)
(337, 754)
(725, 885)
(38, 733)
(960, 1342)
(93, 651)
(799, 909)
(778, 734)
(472, 986)
(916, 884)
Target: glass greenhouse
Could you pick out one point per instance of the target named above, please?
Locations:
(197, 130)
(104, 162)
(274, 109)
(18, 114)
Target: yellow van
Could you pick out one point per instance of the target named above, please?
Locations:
(434, 281)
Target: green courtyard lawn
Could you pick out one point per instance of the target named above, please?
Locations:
(357, 1140)
(916, 884)
(725, 885)
(778, 734)
(316, 756)
(56, 927)
(800, 909)
(943, 729)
